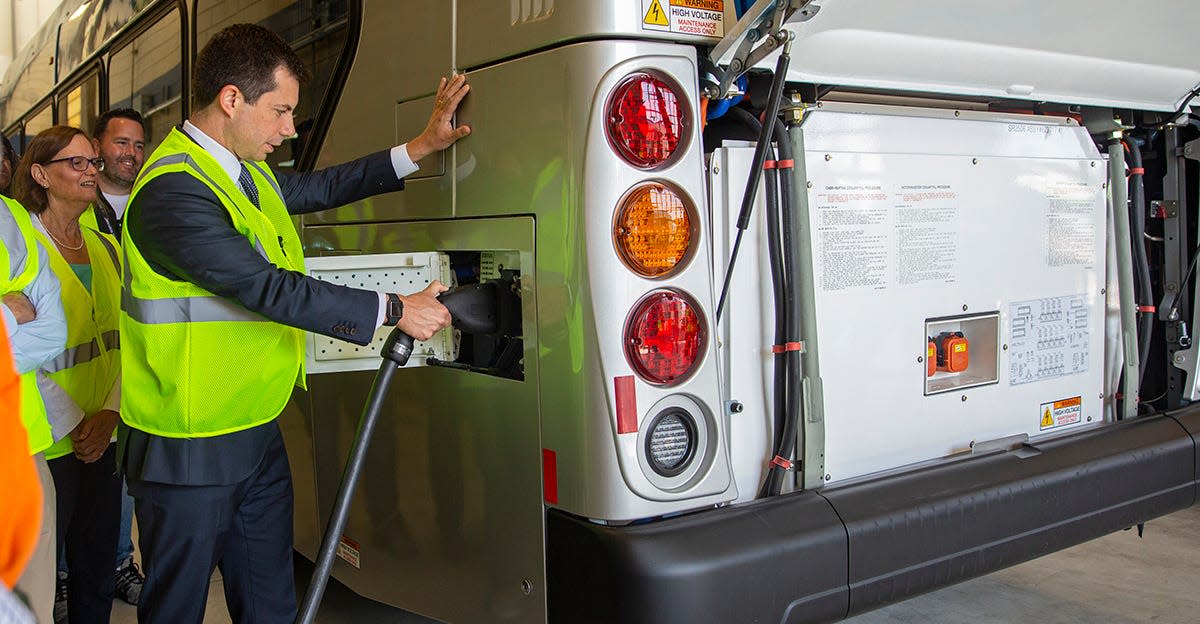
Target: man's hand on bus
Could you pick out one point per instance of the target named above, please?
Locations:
(424, 315)
(440, 132)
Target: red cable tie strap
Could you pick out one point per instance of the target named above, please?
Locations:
(769, 164)
(1137, 171)
(782, 463)
(1144, 308)
(788, 346)
(786, 164)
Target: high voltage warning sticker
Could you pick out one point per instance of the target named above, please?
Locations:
(1060, 413)
(687, 17)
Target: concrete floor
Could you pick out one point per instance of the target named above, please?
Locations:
(1118, 579)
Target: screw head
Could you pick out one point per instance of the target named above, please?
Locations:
(920, 359)
(957, 113)
(827, 477)
(828, 157)
(810, 185)
(716, 169)
(1005, 347)
(963, 398)
(1103, 290)
(736, 407)
(974, 161)
(964, 307)
(1093, 163)
(526, 587)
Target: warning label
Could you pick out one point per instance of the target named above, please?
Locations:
(347, 549)
(1060, 413)
(687, 17)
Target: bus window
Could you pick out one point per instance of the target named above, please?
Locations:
(81, 105)
(34, 82)
(316, 30)
(36, 123)
(13, 135)
(147, 76)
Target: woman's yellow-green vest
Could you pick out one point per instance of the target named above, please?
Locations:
(88, 368)
(33, 411)
(194, 364)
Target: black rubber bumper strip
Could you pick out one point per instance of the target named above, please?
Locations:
(820, 556)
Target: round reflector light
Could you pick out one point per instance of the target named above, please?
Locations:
(653, 230)
(646, 121)
(671, 442)
(664, 337)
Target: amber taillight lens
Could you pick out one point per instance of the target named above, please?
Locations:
(653, 229)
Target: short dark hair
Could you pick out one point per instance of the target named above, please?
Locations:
(41, 150)
(10, 154)
(116, 113)
(245, 56)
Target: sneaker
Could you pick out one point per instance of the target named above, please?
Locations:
(129, 581)
(60, 599)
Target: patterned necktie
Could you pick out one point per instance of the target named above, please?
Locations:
(247, 184)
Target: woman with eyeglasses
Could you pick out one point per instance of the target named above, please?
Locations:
(56, 181)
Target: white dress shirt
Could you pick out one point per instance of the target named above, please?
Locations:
(229, 163)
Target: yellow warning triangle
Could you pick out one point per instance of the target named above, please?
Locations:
(655, 15)
(1047, 419)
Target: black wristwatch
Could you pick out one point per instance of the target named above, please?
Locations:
(393, 310)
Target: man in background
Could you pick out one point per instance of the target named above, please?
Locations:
(119, 137)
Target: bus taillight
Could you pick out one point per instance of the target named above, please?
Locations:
(653, 229)
(665, 337)
(647, 121)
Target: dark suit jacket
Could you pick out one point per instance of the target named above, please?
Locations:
(184, 233)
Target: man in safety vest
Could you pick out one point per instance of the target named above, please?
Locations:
(36, 328)
(215, 307)
(119, 137)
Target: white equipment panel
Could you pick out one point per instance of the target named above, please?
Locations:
(398, 272)
(918, 217)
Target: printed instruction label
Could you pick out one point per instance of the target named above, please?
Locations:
(873, 236)
(686, 17)
(1070, 224)
(1060, 413)
(347, 549)
(1049, 338)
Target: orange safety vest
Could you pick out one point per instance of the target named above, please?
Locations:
(21, 513)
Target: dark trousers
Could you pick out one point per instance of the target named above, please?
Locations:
(244, 528)
(89, 519)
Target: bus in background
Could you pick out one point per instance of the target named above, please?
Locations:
(805, 307)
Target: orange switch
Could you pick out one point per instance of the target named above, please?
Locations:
(953, 352)
(930, 359)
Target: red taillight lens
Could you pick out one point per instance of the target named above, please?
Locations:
(647, 121)
(664, 337)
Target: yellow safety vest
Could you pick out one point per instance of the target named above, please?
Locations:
(33, 411)
(194, 364)
(88, 367)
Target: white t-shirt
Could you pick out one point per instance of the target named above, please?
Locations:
(118, 203)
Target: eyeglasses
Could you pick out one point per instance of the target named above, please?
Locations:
(80, 163)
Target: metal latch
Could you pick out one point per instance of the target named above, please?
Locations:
(762, 24)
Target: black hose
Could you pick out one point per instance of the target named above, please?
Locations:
(760, 156)
(1141, 260)
(778, 285)
(394, 356)
(791, 228)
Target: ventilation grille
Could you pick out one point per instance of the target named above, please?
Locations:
(525, 11)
